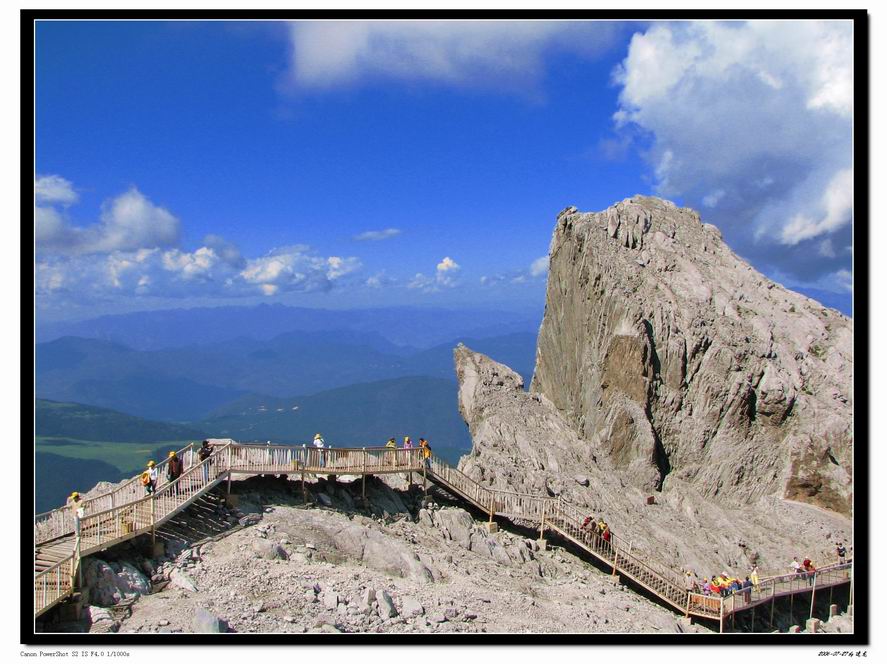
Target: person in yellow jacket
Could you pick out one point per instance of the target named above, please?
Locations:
(754, 577)
(392, 456)
(426, 451)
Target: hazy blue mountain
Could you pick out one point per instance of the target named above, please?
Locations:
(73, 422)
(57, 476)
(188, 383)
(365, 414)
(417, 327)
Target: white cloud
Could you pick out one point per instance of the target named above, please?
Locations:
(54, 190)
(377, 235)
(712, 199)
(176, 273)
(539, 267)
(835, 210)
(844, 280)
(295, 269)
(127, 223)
(379, 280)
(499, 53)
(760, 109)
(447, 264)
(444, 277)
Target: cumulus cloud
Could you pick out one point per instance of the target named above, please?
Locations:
(294, 268)
(54, 190)
(178, 273)
(751, 120)
(134, 250)
(467, 53)
(128, 222)
(377, 235)
(444, 277)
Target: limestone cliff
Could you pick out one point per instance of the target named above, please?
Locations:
(676, 357)
(667, 366)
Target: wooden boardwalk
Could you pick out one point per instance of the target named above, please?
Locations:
(126, 512)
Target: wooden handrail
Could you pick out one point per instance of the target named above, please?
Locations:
(123, 514)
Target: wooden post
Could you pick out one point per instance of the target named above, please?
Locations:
(772, 607)
(153, 531)
(363, 486)
(424, 476)
(228, 491)
(542, 524)
(721, 619)
(753, 618)
(813, 595)
(687, 612)
(492, 505)
(304, 492)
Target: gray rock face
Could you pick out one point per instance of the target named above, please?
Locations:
(640, 386)
(109, 583)
(672, 355)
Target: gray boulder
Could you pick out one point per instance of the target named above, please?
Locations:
(411, 607)
(386, 605)
(107, 584)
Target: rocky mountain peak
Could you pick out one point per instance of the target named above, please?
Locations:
(667, 366)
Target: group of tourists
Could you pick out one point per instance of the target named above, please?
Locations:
(408, 445)
(722, 584)
(597, 527)
(805, 569)
(175, 466)
(320, 444)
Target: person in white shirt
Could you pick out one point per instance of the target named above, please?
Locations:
(796, 566)
(320, 444)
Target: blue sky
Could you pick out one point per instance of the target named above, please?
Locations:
(360, 164)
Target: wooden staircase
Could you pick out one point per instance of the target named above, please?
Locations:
(126, 512)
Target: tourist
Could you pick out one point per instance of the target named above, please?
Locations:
(842, 553)
(426, 452)
(78, 511)
(605, 533)
(706, 586)
(408, 445)
(174, 471)
(809, 571)
(754, 577)
(149, 478)
(319, 444)
(690, 583)
(392, 455)
(746, 586)
(202, 455)
(796, 566)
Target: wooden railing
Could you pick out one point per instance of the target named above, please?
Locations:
(127, 512)
(53, 584)
(60, 521)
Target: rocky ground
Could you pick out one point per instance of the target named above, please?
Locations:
(395, 567)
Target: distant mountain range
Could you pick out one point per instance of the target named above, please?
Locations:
(361, 415)
(188, 383)
(413, 327)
